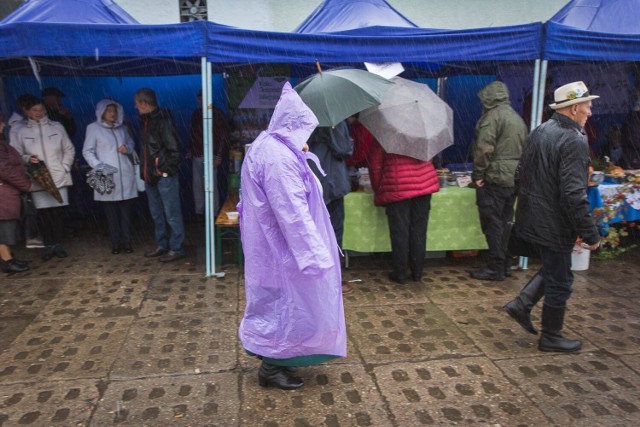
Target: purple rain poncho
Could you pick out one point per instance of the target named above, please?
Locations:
(292, 273)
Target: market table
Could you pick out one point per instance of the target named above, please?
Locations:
(228, 228)
(621, 200)
(454, 223)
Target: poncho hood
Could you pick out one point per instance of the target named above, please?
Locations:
(292, 121)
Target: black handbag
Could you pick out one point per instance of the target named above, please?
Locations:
(516, 245)
(26, 205)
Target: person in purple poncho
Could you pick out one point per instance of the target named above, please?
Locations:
(294, 314)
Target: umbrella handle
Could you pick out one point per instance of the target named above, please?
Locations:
(318, 66)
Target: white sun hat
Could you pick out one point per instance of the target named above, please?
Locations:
(571, 93)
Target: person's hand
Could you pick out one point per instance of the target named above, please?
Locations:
(34, 159)
(479, 183)
(123, 149)
(305, 148)
(217, 161)
(585, 245)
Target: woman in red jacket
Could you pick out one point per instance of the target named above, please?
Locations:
(404, 186)
(13, 181)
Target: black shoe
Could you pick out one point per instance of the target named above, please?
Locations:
(47, 253)
(115, 250)
(395, 278)
(520, 307)
(156, 252)
(128, 249)
(551, 339)
(277, 376)
(507, 267)
(11, 266)
(487, 274)
(59, 251)
(170, 256)
(20, 263)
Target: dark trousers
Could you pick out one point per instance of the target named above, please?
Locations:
(495, 206)
(51, 223)
(336, 213)
(408, 221)
(118, 216)
(558, 277)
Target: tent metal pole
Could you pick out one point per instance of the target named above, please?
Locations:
(209, 170)
(542, 83)
(534, 95)
(523, 262)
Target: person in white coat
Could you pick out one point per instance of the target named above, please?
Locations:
(107, 143)
(42, 140)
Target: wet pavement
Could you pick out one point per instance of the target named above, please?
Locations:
(121, 340)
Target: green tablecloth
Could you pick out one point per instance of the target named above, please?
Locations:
(453, 222)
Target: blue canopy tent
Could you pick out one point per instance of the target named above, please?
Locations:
(371, 18)
(593, 31)
(340, 15)
(86, 38)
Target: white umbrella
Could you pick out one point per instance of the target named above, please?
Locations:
(411, 120)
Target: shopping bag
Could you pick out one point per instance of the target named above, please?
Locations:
(135, 160)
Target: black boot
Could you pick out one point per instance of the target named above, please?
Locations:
(507, 267)
(277, 376)
(11, 266)
(551, 339)
(488, 273)
(520, 307)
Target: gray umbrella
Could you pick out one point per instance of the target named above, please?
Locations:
(411, 120)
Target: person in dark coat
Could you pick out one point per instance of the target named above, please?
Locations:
(13, 181)
(403, 185)
(333, 146)
(57, 112)
(500, 137)
(160, 156)
(553, 214)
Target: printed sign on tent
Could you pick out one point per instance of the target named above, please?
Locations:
(264, 93)
(385, 69)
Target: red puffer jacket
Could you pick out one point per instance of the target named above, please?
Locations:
(13, 181)
(395, 178)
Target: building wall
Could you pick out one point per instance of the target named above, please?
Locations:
(285, 15)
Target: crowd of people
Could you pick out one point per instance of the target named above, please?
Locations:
(39, 146)
(294, 179)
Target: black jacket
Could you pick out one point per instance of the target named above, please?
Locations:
(553, 208)
(160, 146)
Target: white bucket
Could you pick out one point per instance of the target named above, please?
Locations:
(580, 258)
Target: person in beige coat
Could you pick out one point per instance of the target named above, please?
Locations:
(44, 140)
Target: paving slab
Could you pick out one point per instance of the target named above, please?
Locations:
(405, 332)
(496, 334)
(182, 294)
(26, 297)
(469, 391)
(582, 390)
(64, 349)
(178, 344)
(610, 323)
(333, 395)
(58, 403)
(100, 295)
(209, 400)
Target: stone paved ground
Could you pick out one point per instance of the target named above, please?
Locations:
(119, 340)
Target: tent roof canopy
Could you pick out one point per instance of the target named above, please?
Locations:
(70, 11)
(594, 30)
(339, 15)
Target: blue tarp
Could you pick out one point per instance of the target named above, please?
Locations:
(375, 44)
(95, 37)
(70, 11)
(594, 30)
(341, 15)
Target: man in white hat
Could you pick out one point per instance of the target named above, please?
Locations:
(552, 212)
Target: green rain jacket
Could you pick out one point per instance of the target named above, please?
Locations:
(500, 137)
